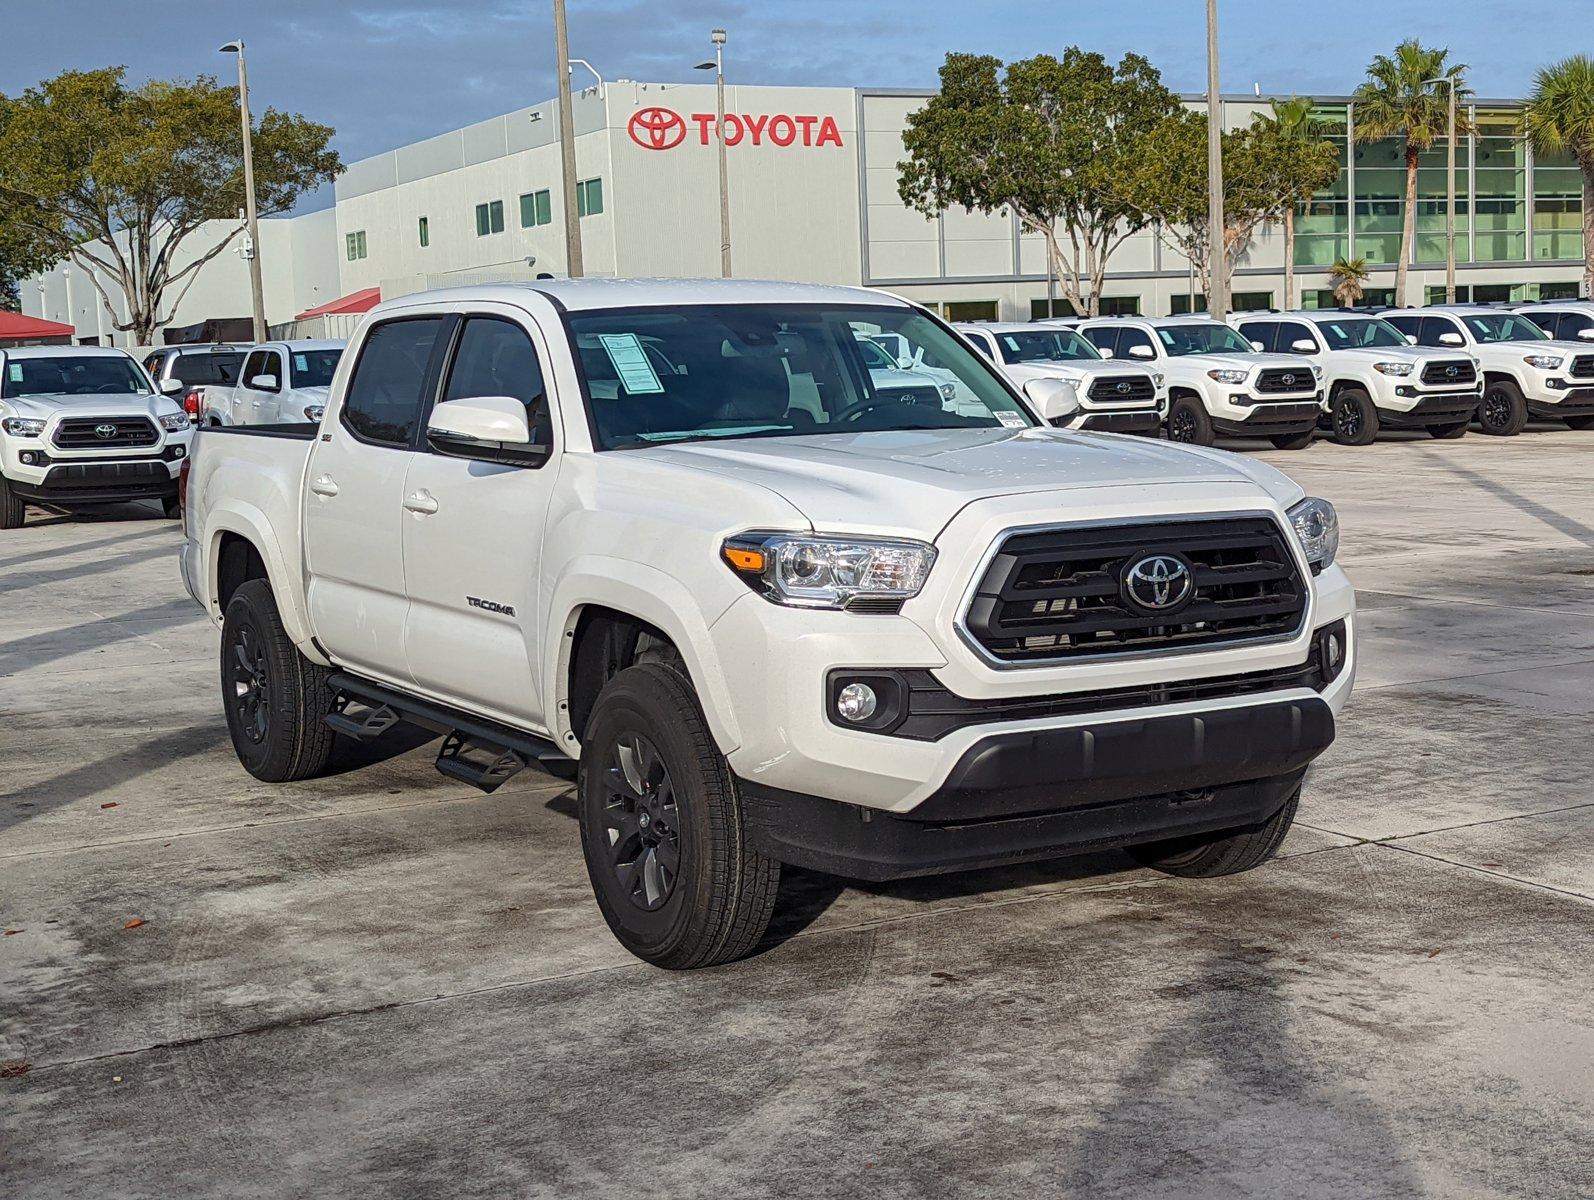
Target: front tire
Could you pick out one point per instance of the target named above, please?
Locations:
(1293, 441)
(1354, 418)
(662, 828)
(276, 699)
(1449, 432)
(1188, 422)
(1502, 412)
(13, 508)
(1226, 853)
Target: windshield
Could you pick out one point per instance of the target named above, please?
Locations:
(99, 375)
(313, 368)
(1504, 327)
(1201, 337)
(1352, 335)
(1051, 345)
(656, 375)
(222, 366)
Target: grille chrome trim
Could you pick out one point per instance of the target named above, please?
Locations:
(1434, 373)
(1103, 389)
(78, 433)
(1269, 381)
(1582, 366)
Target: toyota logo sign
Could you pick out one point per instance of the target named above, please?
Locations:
(656, 128)
(105, 431)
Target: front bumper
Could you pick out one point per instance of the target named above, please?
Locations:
(1266, 417)
(98, 481)
(1575, 399)
(1143, 421)
(1426, 408)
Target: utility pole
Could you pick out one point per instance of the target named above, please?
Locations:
(717, 65)
(567, 145)
(251, 217)
(1218, 283)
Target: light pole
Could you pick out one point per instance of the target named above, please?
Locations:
(1450, 191)
(717, 36)
(1217, 282)
(256, 288)
(567, 145)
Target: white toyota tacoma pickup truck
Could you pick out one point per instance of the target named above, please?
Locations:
(667, 538)
(1112, 396)
(1372, 375)
(281, 383)
(81, 426)
(1216, 383)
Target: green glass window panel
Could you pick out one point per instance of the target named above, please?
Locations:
(495, 215)
(483, 221)
(1321, 250)
(544, 207)
(528, 211)
(1250, 301)
(1566, 290)
(1499, 247)
(589, 197)
(1179, 304)
(425, 232)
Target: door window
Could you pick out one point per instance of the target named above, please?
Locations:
(1432, 327)
(256, 365)
(1407, 324)
(1290, 332)
(1571, 325)
(496, 358)
(1103, 337)
(1265, 333)
(1129, 338)
(385, 395)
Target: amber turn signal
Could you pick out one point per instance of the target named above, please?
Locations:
(742, 559)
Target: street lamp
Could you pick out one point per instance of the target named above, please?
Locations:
(1450, 191)
(717, 65)
(256, 288)
(581, 62)
(567, 145)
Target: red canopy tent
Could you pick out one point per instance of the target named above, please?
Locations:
(361, 301)
(19, 330)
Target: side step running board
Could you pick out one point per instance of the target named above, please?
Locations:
(475, 750)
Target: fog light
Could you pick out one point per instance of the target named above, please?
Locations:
(178, 451)
(1331, 647)
(1557, 383)
(856, 702)
(28, 457)
(1403, 390)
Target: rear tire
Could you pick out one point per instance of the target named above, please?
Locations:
(1502, 412)
(13, 508)
(275, 698)
(1449, 432)
(662, 828)
(1293, 441)
(1580, 422)
(1354, 418)
(1226, 853)
(1188, 422)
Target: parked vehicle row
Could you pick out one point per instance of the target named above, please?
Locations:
(769, 603)
(280, 383)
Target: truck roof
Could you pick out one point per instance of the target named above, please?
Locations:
(581, 294)
(310, 344)
(65, 352)
(1003, 326)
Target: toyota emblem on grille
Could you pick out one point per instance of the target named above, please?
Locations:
(1452, 371)
(1124, 388)
(1287, 379)
(105, 431)
(1158, 582)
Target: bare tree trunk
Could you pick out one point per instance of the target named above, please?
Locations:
(1289, 257)
(1408, 224)
(1588, 228)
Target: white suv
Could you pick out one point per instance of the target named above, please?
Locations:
(1112, 396)
(1524, 372)
(1372, 375)
(1569, 321)
(1217, 384)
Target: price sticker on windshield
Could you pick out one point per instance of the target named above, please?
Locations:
(631, 363)
(1012, 420)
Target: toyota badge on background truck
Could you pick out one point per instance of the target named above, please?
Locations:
(673, 539)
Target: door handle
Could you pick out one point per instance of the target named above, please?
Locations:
(422, 502)
(322, 485)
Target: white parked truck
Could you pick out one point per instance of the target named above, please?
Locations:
(1569, 321)
(82, 426)
(1372, 375)
(667, 537)
(281, 383)
(1114, 396)
(1216, 383)
(1525, 373)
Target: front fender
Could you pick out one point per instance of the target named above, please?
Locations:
(236, 516)
(650, 595)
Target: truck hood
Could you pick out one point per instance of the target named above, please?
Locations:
(1074, 370)
(125, 404)
(1411, 354)
(1235, 362)
(912, 482)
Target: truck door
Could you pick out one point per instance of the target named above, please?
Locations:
(473, 543)
(254, 405)
(354, 503)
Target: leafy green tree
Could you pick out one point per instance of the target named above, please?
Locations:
(1348, 277)
(1400, 98)
(1559, 119)
(116, 179)
(1295, 123)
(1052, 141)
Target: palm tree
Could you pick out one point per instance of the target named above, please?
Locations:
(1348, 275)
(1295, 121)
(1559, 119)
(1403, 97)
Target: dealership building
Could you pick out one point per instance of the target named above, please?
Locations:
(813, 197)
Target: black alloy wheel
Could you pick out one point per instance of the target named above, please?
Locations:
(249, 680)
(1347, 419)
(642, 822)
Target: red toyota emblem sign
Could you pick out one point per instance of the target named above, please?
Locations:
(656, 128)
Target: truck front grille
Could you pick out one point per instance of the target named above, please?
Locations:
(1583, 366)
(1123, 389)
(1275, 380)
(1068, 593)
(105, 433)
(1451, 372)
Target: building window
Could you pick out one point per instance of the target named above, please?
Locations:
(969, 310)
(1371, 298)
(589, 197)
(536, 208)
(1111, 306)
(354, 245)
(1179, 304)
(489, 218)
(1558, 291)
(425, 232)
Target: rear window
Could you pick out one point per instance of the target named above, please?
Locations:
(221, 366)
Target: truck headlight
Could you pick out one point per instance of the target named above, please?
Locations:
(1316, 526)
(174, 422)
(1157, 377)
(1544, 362)
(1398, 369)
(806, 571)
(22, 426)
(1224, 375)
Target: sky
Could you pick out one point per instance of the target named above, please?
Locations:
(386, 74)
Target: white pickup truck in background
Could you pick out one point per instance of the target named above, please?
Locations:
(670, 537)
(281, 383)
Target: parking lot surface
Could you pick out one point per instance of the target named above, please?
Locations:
(384, 983)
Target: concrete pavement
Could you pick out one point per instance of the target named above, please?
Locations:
(382, 983)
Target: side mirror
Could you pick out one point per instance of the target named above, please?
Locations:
(1451, 339)
(1142, 352)
(1586, 335)
(1055, 398)
(1303, 346)
(264, 383)
(170, 387)
(1257, 348)
(490, 428)
(1411, 339)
